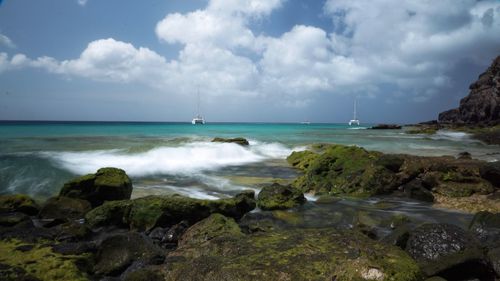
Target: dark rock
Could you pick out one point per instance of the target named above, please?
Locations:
(399, 237)
(107, 184)
(392, 162)
(482, 105)
(294, 254)
(276, 197)
(439, 247)
(161, 211)
(64, 208)
(494, 259)
(205, 230)
(435, 278)
(26, 231)
(387, 127)
(18, 203)
(415, 189)
(240, 141)
(117, 252)
(491, 172)
(145, 274)
(14, 273)
(486, 227)
(464, 155)
(168, 237)
(11, 219)
(73, 248)
(72, 231)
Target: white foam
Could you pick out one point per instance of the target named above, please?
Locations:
(186, 159)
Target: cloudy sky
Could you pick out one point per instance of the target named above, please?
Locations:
(252, 60)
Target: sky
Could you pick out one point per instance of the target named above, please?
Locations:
(250, 60)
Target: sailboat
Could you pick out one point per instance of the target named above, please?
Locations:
(198, 119)
(354, 120)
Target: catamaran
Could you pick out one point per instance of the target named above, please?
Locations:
(198, 119)
(354, 120)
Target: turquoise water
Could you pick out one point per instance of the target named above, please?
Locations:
(37, 158)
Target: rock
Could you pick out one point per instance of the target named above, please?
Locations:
(392, 162)
(107, 184)
(18, 203)
(494, 260)
(435, 278)
(294, 254)
(15, 273)
(168, 237)
(278, 197)
(423, 130)
(464, 155)
(11, 219)
(160, 211)
(144, 274)
(301, 159)
(491, 172)
(117, 252)
(415, 189)
(482, 105)
(439, 247)
(240, 141)
(399, 237)
(64, 208)
(205, 230)
(486, 227)
(387, 127)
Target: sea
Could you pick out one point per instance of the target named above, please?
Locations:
(36, 158)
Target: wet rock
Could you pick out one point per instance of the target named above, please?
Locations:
(64, 208)
(205, 230)
(73, 248)
(72, 231)
(464, 155)
(278, 197)
(435, 278)
(117, 252)
(439, 247)
(486, 227)
(144, 274)
(107, 184)
(387, 127)
(423, 129)
(11, 219)
(301, 159)
(26, 231)
(15, 273)
(392, 162)
(18, 203)
(491, 172)
(160, 211)
(415, 189)
(240, 141)
(296, 254)
(167, 237)
(398, 237)
(494, 260)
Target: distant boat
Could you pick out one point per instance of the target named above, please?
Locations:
(198, 119)
(354, 120)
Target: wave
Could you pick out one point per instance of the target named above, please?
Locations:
(186, 159)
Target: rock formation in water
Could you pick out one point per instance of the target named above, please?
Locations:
(482, 105)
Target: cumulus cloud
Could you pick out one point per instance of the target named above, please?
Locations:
(5, 41)
(409, 45)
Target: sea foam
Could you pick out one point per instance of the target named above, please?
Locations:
(186, 159)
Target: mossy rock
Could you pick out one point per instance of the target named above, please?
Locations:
(41, 262)
(64, 208)
(107, 184)
(298, 254)
(11, 219)
(279, 197)
(145, 274)
(148, 212)
(301, 159)
(18, 203)
(240, 141)
(207, 229)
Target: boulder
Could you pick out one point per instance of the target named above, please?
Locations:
(240, 141)
(107, 184)
(387, 127)
(119, 251)
(494, 260)
(278, 197)
(149, 212)
(205, 230)
(415, 190)
(64, 208)
(11, 219)
(294, 254)
(18, 203)
(491, 172)
(441, 247)
(486, 227)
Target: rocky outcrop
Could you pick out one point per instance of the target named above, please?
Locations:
(18, 203)
(107, 184)
(387, 127)
(277, 196)
(482, 105)
(240, 141)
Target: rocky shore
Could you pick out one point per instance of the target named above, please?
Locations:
(93, 230)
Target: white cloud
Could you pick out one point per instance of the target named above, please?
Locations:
(5, 41)
(82, 2)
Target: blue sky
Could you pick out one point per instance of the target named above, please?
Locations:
(252, 60)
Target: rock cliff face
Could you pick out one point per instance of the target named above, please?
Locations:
(482, 105)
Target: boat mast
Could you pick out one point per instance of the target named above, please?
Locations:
(198, 108)
(355, 101)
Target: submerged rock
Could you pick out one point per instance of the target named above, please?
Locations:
(107, 184)
(153, 211)
(296, 254)
(440, 247)
(277, 196)
(240, 141)
(18, 203)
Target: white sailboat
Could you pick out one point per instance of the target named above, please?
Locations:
(354, 120)
(198, 119)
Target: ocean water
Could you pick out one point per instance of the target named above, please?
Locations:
(36, 158)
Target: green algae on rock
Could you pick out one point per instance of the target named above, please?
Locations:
(240, 141)
(148, 212)
(18, 203)
(106, 184)
(64, 208)
(213, 226)
(278, 197)
(299, 254)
